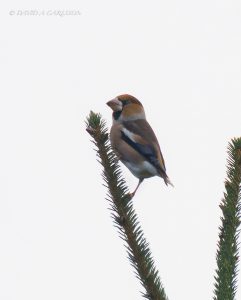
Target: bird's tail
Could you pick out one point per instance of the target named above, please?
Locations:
(168, 181)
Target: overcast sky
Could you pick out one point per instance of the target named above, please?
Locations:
(182, 60)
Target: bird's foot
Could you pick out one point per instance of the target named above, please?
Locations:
(131, 195)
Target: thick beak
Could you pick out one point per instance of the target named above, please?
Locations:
(115, 104)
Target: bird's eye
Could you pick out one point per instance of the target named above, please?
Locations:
(125, 102)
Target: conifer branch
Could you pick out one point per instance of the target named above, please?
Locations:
(123, 214)
(227, 254)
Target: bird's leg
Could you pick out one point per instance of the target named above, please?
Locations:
(139, 183)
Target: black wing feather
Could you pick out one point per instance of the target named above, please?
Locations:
(146, 151)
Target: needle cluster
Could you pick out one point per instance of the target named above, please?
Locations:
(122, 212)
(227, 253)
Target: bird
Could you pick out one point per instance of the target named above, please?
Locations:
(134, 141)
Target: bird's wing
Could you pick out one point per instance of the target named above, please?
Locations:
(139, 135)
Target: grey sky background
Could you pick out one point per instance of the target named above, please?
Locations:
(182, 60)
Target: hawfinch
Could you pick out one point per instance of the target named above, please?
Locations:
(134, 141)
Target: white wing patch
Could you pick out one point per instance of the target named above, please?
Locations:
(129, 134)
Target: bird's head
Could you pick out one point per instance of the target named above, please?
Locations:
(126, 107)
